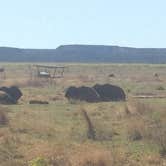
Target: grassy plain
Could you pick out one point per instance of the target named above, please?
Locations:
(131, 133)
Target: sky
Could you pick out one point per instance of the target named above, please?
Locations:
(50, 23)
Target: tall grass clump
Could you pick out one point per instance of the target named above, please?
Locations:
(3, 116)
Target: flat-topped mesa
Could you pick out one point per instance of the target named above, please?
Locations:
(85, 53)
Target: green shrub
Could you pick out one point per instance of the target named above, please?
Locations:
(38, 162)
(160, 88)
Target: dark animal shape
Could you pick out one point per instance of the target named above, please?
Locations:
(13, 91)
(82, 94)
(6, 99)
(2, 70)
(109, 92)
(38, 102)
(156, 75)
(111, 75)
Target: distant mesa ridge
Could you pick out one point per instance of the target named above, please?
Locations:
(85, 53)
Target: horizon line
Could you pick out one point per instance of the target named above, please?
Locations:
(13, 47)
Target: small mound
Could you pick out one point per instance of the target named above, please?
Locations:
(111, 75)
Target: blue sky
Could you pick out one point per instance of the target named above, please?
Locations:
(50, 23)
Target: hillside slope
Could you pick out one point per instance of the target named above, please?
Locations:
(85, 53)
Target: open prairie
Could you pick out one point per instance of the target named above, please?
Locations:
(63, 133)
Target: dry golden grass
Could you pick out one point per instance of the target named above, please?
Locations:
(88, 156)
(57, 133)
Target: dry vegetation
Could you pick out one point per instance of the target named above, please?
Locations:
(82, 134)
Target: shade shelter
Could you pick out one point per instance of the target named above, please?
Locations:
(47, 71)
